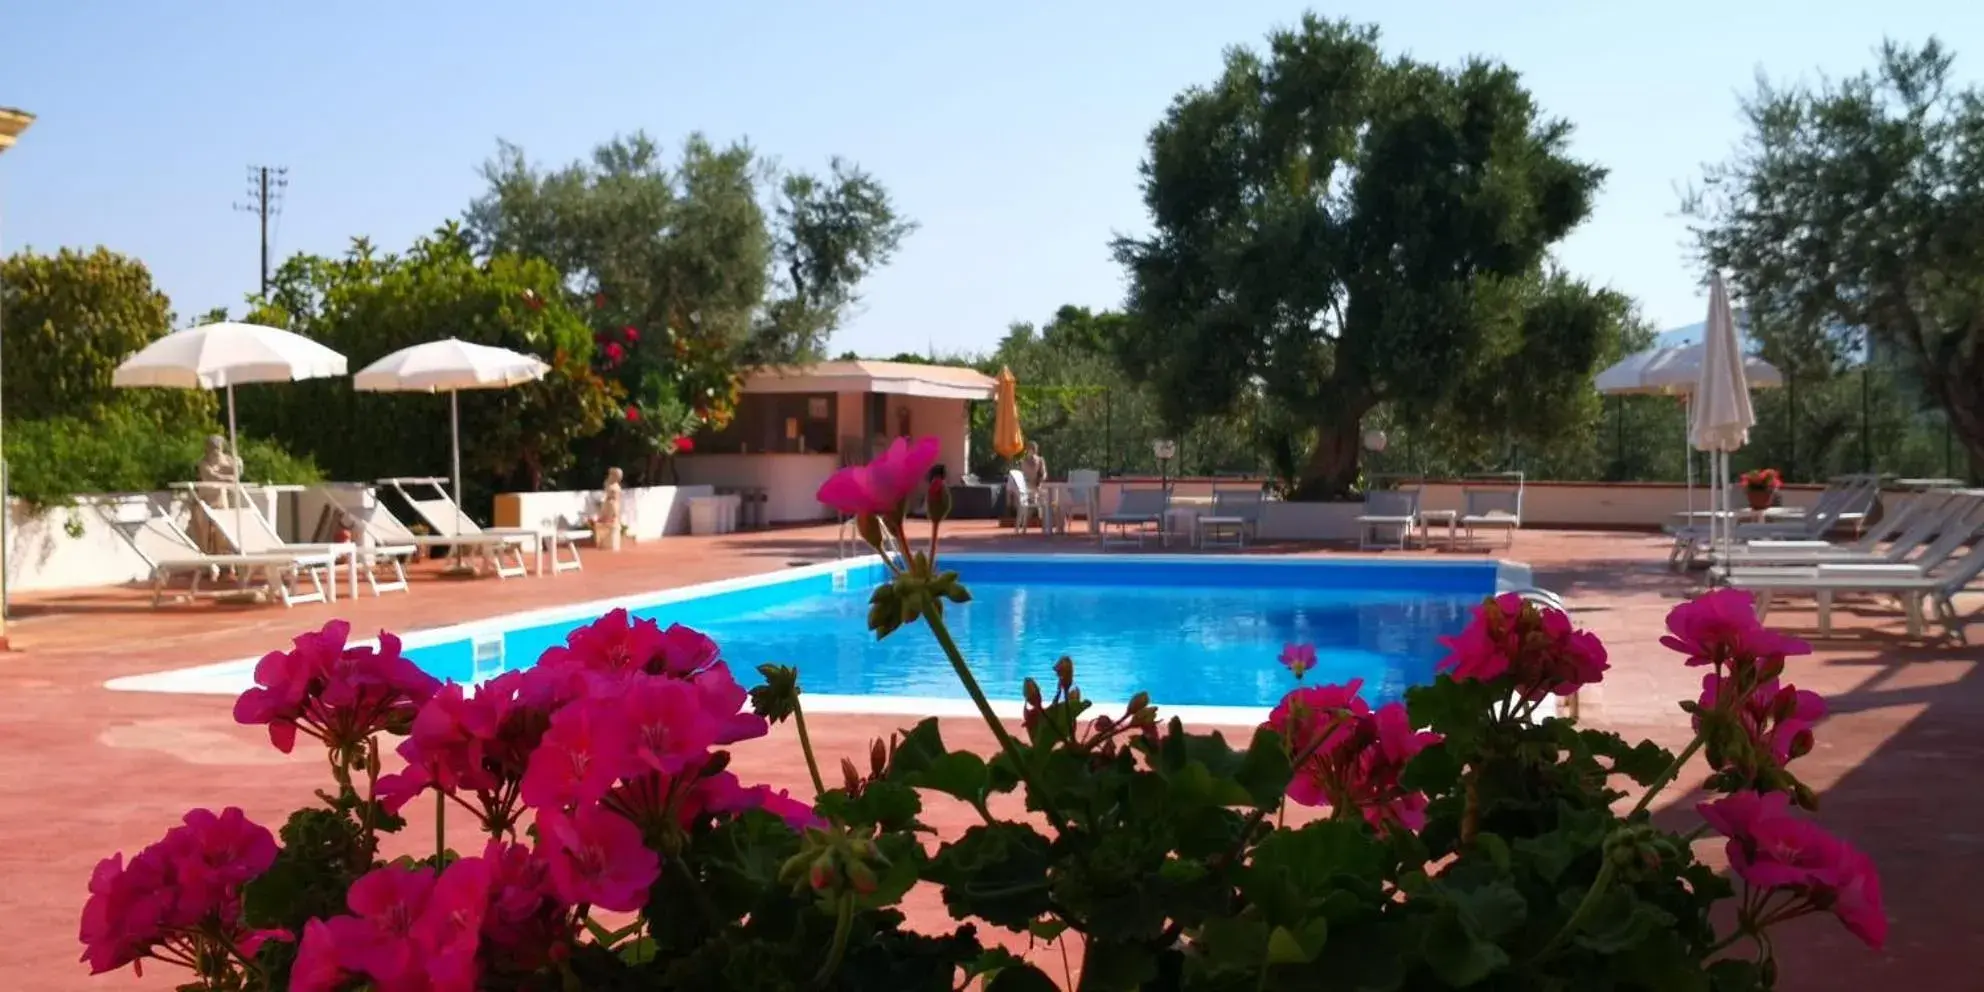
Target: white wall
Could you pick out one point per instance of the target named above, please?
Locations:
(648, 512)
(948, 420)
(42, 556)
(791, 482)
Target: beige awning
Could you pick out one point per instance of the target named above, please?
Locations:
(894, 378)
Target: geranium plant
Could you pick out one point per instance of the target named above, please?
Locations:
(1465, 838)
(1763, 480)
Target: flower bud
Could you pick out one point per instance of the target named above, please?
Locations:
(1801, 744)
(850, 778)
(861, 878)
(1064, 672)
(937, 501)
(822, 877)
(869, 527)
(1031, 691)
(878, 758)
(1103, 725)
(1138, 703)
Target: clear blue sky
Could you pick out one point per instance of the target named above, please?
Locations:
(1011, 132)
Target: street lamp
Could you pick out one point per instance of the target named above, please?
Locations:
(12, 123)
(1165, 450)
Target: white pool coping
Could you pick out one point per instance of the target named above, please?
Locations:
(231, 678)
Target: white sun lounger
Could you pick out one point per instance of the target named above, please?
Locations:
(1922, 522)
(1138, 513)
(1236, 513)
(1939, 587)
(1492, 509)
(448, 520)
(1846, 500)
(170, 553)
(246, 531)
(1387, 518)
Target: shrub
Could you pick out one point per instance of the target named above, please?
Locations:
(51, 461)
(1469, 842)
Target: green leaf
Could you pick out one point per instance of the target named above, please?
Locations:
(1458, 956)
(997, 872)
(1287, 946)
(1112, 964)
(1643, 762)
(1620, 921)
(1292, 871)
(960, 774)
(1021, 978)
(1490, 911)
(638, 952)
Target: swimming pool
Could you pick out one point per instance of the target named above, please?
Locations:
(1198, 632)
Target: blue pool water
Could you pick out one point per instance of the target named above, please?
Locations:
(1203, 632)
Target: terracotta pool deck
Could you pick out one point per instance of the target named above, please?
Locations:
(89, 771)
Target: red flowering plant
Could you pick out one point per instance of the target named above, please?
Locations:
(1763, 480)
(1467, 837)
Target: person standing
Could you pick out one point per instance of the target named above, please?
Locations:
(1033, 468)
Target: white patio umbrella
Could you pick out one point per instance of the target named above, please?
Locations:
(1722, 415)
(449, 366)
(219, 356)
(1675, 372)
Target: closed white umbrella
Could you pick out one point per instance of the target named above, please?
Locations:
(450, 366)
(1722, 416)
(219, 356)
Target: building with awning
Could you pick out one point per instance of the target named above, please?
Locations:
(794, 426)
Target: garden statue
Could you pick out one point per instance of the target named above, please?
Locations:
(606, 525)
(219, 475)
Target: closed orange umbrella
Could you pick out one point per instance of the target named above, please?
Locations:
(1006, 437)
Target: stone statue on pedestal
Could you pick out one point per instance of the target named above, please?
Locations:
(219, 476)
(606, 526)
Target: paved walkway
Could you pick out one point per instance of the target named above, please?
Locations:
(90, 771)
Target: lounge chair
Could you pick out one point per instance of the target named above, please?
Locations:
(378, 525)
(1025, 503)
(1939, 586)
(1083, 495)
(1235, 516)
(439, 511)
(1846, 501)
(170, 553)
(1139, 512)
(246, 531)
(1492, 509)
(1904, 533)
(1388, 517)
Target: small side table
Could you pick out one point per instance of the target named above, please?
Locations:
(1181, 521)
(1427, 518)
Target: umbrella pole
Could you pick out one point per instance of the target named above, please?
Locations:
(455, 434)
(234, 448)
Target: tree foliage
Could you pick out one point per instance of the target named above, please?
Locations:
(71, 318)
(718, 262)
(1335, 230)
(367, 305)
(1848, 224)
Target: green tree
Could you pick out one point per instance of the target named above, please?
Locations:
(367, 305)
(1336, 230)
(717, 263)
(1848, 225)
(72, 317)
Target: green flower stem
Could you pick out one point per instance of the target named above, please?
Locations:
(806, 747)
(1666, 776)
(1586, 907)
(843, 925)
(935, 619)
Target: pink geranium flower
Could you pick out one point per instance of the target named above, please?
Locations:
(1777, 719)
(670, 731)
(1298, 659)
(340, 695)
(883, 485)
(1537, 647)
(724, 701)
(1721, 628)
(182, 893)
(584, 751)
(446, 749)
(525, 923)
(409, 931)
(1774, 850)
(686, 651)
(597, 857)
(1349, 757)
(614, 644)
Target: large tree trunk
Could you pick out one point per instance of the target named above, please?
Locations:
(1332, 469)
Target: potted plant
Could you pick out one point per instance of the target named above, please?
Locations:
(1761, 487)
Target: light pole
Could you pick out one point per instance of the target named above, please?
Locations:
(1165, 449)
(12, 123)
